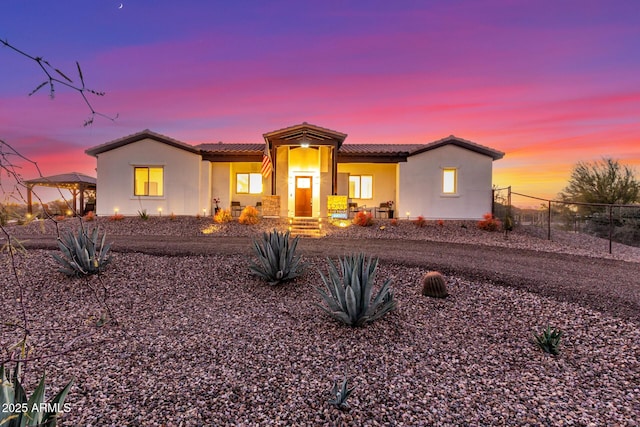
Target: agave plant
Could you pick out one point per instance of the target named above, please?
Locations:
(20, 411)
(348, 296)
(277, 259)
(340, 393)
(83, 254)
(549, 340)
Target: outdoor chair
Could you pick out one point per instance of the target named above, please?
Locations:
(383, 210)
(236, 209)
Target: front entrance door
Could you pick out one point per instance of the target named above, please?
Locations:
(303, 195)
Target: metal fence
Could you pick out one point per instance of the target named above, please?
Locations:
(616, 223)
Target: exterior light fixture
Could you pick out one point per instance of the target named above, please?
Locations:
(304, 141)
(115, 211)
(408, 213)
(204, 211)
(159, 211)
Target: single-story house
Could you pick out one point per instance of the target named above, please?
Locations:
(296, 172)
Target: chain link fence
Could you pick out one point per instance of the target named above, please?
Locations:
(616, 223)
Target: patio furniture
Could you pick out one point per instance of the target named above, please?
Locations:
(383, 210)
(236, 209)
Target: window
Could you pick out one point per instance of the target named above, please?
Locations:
(148, 181)
(449, 181)
(249, 183)
(361, 186)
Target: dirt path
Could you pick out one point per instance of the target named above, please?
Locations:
(605, 285)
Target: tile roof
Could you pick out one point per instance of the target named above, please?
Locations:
(348, 150)
(222, 147)
(379, 148)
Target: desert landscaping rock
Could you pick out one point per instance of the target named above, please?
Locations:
(200, 342)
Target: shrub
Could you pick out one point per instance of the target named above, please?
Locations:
(13, 395)
(441, 223)
(394, 222)
(489, 223)
(143, 215)
(420, 221)
(434, 285)
(172, 217)
(223, 215)
(348, 297)
(508, 223)
(277, 261)
(549, 340)
(82, 254)
(363, 219)
(90, 216)
(116, 217)
(249, 216)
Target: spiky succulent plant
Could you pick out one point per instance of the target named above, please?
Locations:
(277, 260)
(549, 340)
(83, 254)
(348, 291)
(434, 285)
(340, 393)
(20, 411)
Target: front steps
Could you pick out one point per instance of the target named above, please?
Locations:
(306, 227)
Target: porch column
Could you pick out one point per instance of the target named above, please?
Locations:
(334, 170)
(272, 151)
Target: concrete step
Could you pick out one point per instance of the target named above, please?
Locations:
(305, 227)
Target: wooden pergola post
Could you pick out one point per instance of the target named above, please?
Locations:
(29, 195)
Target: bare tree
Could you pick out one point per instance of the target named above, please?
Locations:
(11, 164)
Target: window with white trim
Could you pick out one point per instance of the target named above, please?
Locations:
(148, 181)
(361, 186)
(449, 181)
(248, 183)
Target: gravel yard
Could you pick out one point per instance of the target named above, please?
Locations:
(202, 342)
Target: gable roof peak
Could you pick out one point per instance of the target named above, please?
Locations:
(138, 136)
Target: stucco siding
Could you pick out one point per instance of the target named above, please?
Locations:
(181, 180)
(421, 184)
(384, 181)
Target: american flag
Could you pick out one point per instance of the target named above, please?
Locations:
(267, 167)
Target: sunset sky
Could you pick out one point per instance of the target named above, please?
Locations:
(549, 83)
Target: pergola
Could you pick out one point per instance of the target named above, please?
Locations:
(75, 182)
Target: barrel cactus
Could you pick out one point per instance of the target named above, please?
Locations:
(434, 285)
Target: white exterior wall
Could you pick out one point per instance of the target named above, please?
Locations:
(182, 180)
(384, 181)
(420, 184)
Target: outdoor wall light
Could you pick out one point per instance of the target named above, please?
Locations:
(304, 141)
